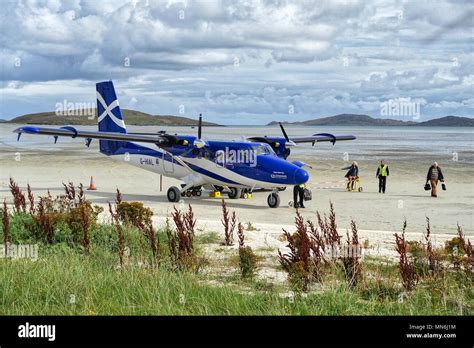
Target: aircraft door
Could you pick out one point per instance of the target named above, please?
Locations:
(168, 163)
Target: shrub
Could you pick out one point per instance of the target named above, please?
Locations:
(134, 213)
(329, 237)
(407, 271)
(82, 219)
(247, 258)
(300, 263)
(31, 199)
(118, 227)
(19, 200)
(460, 252)
(181, 241)
(350, 259)
(229, 224)
(250, 227)
(71, 215)
(5, 226)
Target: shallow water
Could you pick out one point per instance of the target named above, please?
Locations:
(372, 143)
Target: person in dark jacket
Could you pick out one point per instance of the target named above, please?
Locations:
(382, 173)
(434, 174)
(298, 191)
(352, 174)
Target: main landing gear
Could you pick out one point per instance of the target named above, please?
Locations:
(234, 192)
(174, 194)
(192, 192)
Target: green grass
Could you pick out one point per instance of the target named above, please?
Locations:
(64, 272)
(47, 285)
(208, 238)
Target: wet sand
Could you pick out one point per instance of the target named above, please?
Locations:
(377, 215)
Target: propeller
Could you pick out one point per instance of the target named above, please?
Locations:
(288, 141)
(200, 126)
(199, 143)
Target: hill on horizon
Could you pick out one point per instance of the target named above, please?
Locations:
(131, 117)
(366, 120)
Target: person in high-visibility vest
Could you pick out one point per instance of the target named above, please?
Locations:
(382, 173)
(298, 191)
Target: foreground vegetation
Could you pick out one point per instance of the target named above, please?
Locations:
(126, 266)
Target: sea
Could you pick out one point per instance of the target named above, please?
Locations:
(372, 143)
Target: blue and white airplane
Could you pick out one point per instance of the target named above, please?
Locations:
(232, 167)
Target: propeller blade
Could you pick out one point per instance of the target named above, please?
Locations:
(288, 141)
(200, 126)
(284, 132)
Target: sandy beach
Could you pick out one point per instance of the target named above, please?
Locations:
(378, 216)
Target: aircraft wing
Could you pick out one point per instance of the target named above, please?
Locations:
(162, 140)
(321, 137)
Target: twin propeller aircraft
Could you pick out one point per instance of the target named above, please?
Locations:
(233, 167)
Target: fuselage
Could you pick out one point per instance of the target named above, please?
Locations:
(223, 163)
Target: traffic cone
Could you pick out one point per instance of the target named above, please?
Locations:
(91, 185)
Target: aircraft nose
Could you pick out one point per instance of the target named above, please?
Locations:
(300, 176)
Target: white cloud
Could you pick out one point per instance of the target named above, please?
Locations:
(231, 59)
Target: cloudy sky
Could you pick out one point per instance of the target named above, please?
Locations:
(240, 62)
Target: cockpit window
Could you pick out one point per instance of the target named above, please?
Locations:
(263, 150)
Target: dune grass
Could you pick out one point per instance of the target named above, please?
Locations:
(65, 281)
(127, 267)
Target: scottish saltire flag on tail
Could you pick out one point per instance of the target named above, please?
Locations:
(109, 116)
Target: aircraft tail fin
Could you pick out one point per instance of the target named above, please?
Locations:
(109, 116)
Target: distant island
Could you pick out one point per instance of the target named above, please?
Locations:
(366, 120)
(138, 118)
(131, 117)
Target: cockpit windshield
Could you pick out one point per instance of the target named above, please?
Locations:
(263, 150)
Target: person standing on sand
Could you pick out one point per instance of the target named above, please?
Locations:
(434, 174)
(298, 190)
(351, 175)
(382, 173)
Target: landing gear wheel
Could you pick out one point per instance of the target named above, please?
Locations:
(198, 193)
(234, 192)
(273, 200)
(189, 193)
(360, 189)
(290, 204)
(173, 194)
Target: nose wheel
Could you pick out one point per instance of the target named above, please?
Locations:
(273, 200)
